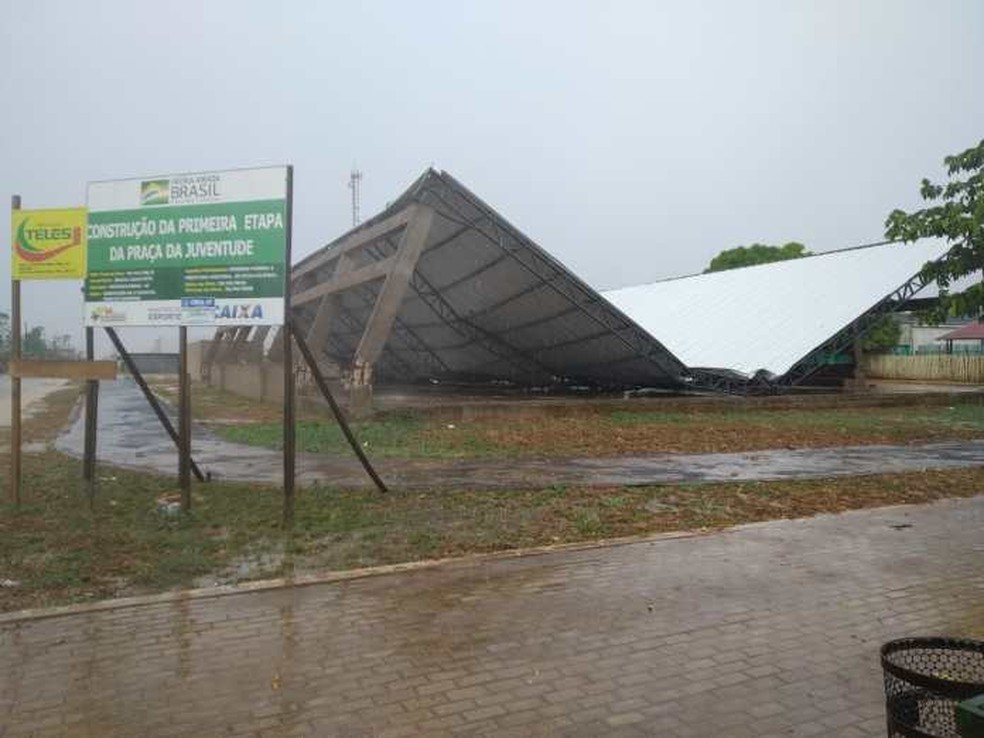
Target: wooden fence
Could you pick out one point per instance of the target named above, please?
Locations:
(927, 367)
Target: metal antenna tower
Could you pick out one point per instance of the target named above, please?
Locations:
(355, 181)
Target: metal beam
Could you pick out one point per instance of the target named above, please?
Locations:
(856, 329)
(542, 266)
(487, 340)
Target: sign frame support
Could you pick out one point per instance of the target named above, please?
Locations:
(91, 422)
(15, 382)
(184, 420)
(319, 379)
(290, 394)
(149, 395)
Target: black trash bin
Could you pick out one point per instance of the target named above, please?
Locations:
(925, 679)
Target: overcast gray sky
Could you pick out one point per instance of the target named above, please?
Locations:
(632, 140)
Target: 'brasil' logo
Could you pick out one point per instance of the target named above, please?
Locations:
(41, 243)
(155, 192)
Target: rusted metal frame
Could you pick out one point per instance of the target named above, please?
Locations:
(856, 329)
(352, 241)
(636, 340)
(394, 289)
(155, 405)
(336, 410)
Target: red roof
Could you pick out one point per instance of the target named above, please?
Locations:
(973, 330)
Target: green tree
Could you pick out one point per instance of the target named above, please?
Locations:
(34, 343)
(957, 215)
(883, 335)
(757, 253)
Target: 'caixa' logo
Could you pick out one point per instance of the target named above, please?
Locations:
(239, 312)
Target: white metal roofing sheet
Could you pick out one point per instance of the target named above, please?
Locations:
(772, 315)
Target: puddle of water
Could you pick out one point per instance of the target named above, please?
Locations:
(257, 565)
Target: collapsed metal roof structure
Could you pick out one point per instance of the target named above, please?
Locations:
(777, 323)
(440, 287)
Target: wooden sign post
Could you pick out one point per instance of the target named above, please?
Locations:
(48, 244)
(15, 383)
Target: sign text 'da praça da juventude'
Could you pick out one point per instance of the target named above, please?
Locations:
(188, 249)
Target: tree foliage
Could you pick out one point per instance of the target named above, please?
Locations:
(884, 334)
(957, 215)
(757, 253)
(34, 342)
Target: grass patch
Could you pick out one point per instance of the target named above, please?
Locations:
(901, 420)
(410, 435)
(403, 435)
(56, 549)
(59, 551)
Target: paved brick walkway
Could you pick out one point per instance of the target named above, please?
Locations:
(767, 630)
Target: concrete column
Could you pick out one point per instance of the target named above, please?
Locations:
(387, 305)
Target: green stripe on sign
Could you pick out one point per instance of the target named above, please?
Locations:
(226, 234)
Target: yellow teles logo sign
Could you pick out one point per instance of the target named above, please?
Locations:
(48, 244)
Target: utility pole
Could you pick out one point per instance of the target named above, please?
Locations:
(355, 182)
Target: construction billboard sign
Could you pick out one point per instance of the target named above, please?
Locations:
(191, 249)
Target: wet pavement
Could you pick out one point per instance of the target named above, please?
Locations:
(130, 435)
(766, 630)
(32, 390)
